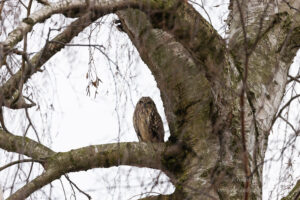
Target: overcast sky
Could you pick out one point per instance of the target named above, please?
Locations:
(76, 119)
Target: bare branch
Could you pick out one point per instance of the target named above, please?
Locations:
(202, 7)
(18, 162)
(63, 188)
(106, 155)
(291, 78)
(100, 8)
(31, 124)
(37, 183)
(289, 123)
(23, 145)
(285, 106)
(291, 6)
(9, 88)
(81, 191)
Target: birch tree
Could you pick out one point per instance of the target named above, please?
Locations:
(221, 96)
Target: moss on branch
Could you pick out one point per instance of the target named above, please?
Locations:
(23, 145)
(107, 155)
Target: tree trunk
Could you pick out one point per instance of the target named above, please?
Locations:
(221, 97)
(221, 115)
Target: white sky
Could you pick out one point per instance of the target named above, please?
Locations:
(79, 120)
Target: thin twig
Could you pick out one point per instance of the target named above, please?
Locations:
(296, 78)
(288, 123)
(15, 176)
(80, 45)
(30, 171)
(72, 183)
(142, 194)
(62, 186)
(23, 4)
(31, 124)
(291, 7)
(285, 105)
(18, 162)
(203, 8)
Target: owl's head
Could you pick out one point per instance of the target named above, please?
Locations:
(146, 101)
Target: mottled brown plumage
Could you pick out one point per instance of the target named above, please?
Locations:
(147, 122)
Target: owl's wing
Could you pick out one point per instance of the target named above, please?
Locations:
(136, 128)
(157, 128)
(139, 136)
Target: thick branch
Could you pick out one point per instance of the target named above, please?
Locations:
(37, 183)
(101, 7)
(135, 154)
(95, 9)
(189, 94)
(108, 155)
(23, 145)
(9, 88)
(266, 32)
(198, 36)
(168, 61)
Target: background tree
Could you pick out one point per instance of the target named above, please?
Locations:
(221, 96)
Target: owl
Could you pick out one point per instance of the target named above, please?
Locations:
(147, 122)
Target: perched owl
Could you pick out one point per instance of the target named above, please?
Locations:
(147, 122)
